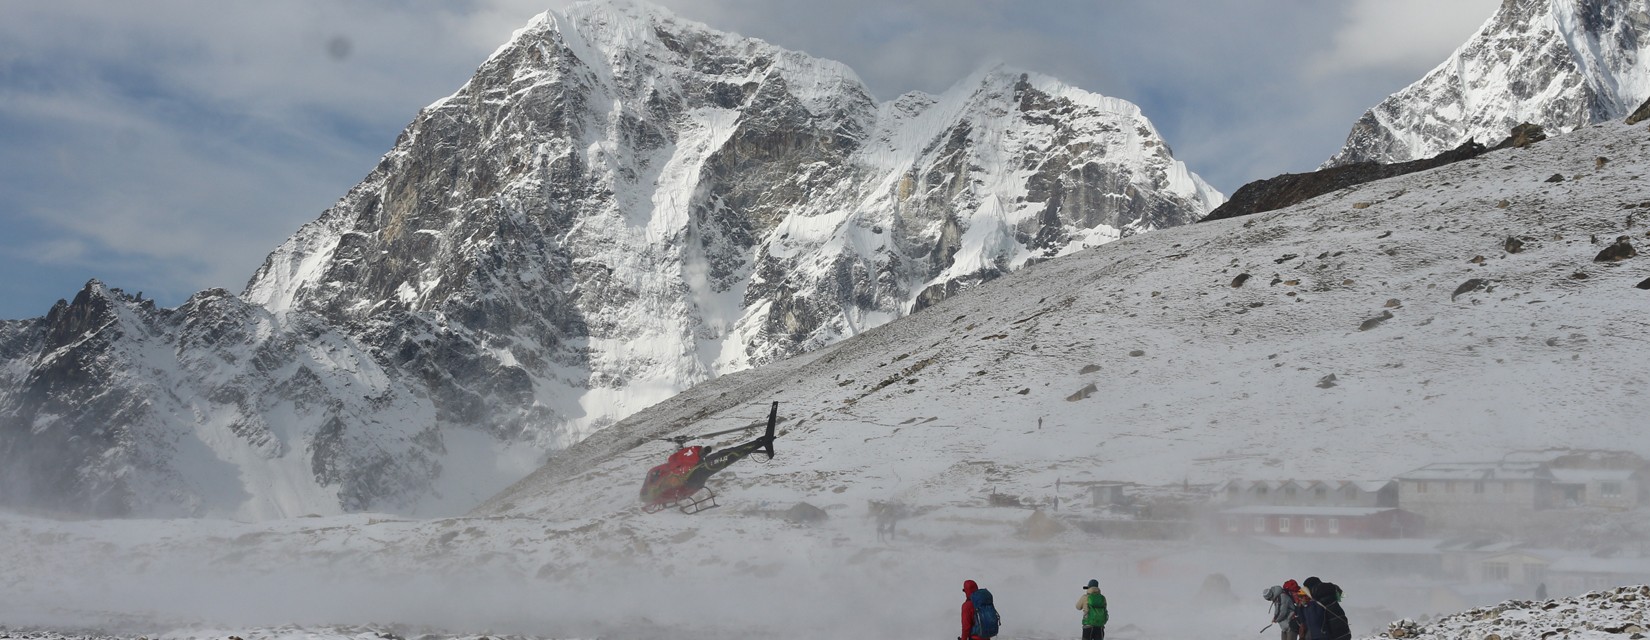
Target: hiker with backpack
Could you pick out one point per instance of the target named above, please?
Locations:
(979, 613)
(1325, 619)
(1283, 610)
(1093, 606)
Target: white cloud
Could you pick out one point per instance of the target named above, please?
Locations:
(1402, 33)
(59, 251)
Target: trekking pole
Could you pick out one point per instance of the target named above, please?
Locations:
(1268, 626)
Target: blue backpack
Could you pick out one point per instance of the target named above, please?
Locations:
(986, 620)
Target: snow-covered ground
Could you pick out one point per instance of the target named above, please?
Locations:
(286, 632)
(1613, 614)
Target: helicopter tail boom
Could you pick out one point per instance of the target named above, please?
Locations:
(768, 438)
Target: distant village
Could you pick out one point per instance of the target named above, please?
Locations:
(1526, 525)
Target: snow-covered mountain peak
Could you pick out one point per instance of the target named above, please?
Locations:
(1561, 64)
(630, 38)
(619, 204)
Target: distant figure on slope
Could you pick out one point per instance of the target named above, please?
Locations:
(1283, 610)
(1325, 620)
(1093, 606)
(1541, 591)
(887, 515)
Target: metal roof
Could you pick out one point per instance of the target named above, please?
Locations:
(1286, 510)
(1583, 476)
(1382, 546)
(1480, 471)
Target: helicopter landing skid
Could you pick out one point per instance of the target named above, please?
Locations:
(704, 500)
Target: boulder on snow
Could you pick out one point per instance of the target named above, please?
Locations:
(1470, 285)
(1217, 588)
(1040, 526)
(1621, 250)
(1083, 393)
(1239, 280)
(1514, 245)
(804, 513)
(1405, 628)
(1375, 321)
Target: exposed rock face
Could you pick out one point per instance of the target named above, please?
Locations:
(620, 204)
(1640, 114)
(1293, 188)
(1561, 64)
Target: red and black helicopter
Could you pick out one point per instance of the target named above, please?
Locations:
(680, 481)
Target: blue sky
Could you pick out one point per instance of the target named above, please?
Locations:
(167, 146)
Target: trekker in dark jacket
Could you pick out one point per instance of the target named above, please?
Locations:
(1325, 620)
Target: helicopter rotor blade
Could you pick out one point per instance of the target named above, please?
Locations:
(727, 431)
(682, 439)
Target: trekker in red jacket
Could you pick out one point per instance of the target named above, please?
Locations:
(969, 587)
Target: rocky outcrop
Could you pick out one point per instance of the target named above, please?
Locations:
(1292, 188)
(1640, 114)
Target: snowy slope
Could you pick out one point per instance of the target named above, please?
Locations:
(1561, 64)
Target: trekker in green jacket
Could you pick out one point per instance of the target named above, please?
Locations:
(1093, 606)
